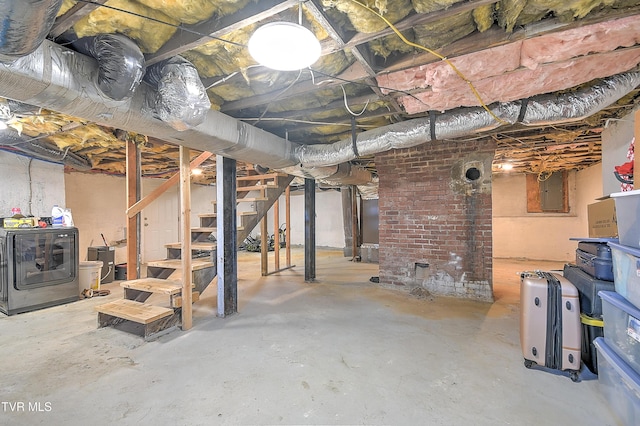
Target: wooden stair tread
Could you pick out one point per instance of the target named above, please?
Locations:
(208, 215)
(248, 213)
(251, 200)
(259, 177)
(177, 264)
(254, 187)
(195, 245)
(203, 229)
(154, 285)
(134, 311)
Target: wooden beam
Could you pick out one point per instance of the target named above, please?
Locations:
(287, 221)
(133, 172)
(264, 246)
(137, 207)
(73, 15)
(276, 234)
(185, 215)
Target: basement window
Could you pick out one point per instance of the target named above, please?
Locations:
(548, 193)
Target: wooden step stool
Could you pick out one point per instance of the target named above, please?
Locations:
(139, 318)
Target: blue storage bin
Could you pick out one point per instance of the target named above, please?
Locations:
(619, 383)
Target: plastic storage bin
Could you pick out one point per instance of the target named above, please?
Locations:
(628, 217)
(626, 271)
(622, 327)
(619, 383)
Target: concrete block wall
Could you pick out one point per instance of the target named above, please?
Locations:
(435, 218)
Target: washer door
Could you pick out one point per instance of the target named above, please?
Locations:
(43, 258)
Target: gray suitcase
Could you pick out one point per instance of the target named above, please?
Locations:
(550, 329)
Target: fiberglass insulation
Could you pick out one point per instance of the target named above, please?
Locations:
(366, 22)
(150, 35)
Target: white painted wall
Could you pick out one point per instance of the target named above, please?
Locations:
(34, 186)
(329, 224)
(98, 203)
(541, 236)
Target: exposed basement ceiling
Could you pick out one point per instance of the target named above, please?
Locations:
(367, 78)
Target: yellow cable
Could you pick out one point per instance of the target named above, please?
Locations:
(436, 54)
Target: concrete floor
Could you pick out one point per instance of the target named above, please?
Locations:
(339, 351)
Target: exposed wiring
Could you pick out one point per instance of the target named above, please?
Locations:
(66, 151)
(282, 92)
(227, 77)
(543, 176)
(313, 79)
(368, 85)
(436, 54)
(222, 80)
(346, 105)
(159, 21)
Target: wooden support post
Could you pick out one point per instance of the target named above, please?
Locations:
(636, 158)
(264, 247)
(185, 216)
(134, 174)
(287, 221)
(309, 230)
(276, 234)
(227, 236)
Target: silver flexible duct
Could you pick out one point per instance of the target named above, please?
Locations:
(24, 24)
(56, 78)
(538, 110)
(121, 64)
(341, 174)
(180, 99)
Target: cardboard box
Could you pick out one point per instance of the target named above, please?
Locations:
(602, 219)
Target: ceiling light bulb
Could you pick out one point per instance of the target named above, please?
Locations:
(196, 172)
(507, 166)
(284, 46)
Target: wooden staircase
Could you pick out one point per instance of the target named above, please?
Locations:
(164, 277)
(269, 187)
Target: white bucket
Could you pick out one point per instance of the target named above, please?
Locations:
(89, 275)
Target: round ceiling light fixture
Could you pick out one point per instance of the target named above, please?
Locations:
(284, 46)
